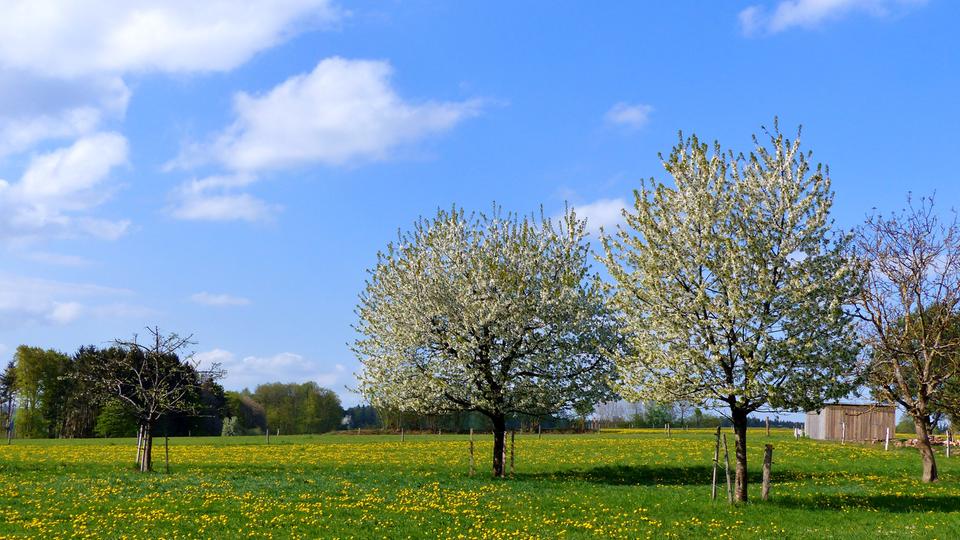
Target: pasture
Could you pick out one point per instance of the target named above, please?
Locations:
(637, 484)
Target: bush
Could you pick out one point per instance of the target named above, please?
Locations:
(230, 426)
(115, 421)
(906, 425)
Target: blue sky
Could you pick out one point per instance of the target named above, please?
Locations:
(232, 171)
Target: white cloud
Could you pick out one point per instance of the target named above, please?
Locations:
(59, 187)
(813, 13)
(61, 63)
(249, 371)
(211, 199)
(633, 116)
(61, 78)
(209, 299)
(62, 173)
(605, 213)
(73, 38)
(33, 300)
(342, 112)
(58, 259)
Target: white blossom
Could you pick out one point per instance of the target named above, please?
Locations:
(731, 286)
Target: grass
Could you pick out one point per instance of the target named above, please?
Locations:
(635, 484)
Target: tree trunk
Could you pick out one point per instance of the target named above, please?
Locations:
(739, 417)
(146, 458)
(499, 444)
(922, 423)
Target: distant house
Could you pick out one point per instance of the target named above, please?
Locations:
(853, 422)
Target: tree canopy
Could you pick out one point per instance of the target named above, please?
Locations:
(731, 286)
(493, 313)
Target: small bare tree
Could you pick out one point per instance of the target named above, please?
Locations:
(151, 379)
(610, 413)
(909, 306)
(8, 397)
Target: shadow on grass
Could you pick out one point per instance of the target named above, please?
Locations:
(624, 475)
(885, 503)
(641, 475)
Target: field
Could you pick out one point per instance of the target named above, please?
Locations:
(610, 485)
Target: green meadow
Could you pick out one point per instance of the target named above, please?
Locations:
(634, 484)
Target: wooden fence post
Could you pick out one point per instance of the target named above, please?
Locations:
(767, 420)
(843, 432)
(668, 429)
(471, 451)
(716, 464)
(949, 441)
(767, 460)
(886, 441)
(268, 435)
(726, 468)
(539, 432)
(503, 456)
(166, 450)
(139, 442)
(512, 435)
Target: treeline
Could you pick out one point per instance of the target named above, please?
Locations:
(289, 408)
(617, 415)
(46, 393)
(652, 414)
(367, 417)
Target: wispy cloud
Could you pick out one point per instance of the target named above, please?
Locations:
(630, 115)
(59, 187)
(224, 207)
(219, 300)
(66, 39)
(787, 14)
(602, 213)
(57, 259)
(249, 371)
(40, 301)
(62, 69)
(34, 109)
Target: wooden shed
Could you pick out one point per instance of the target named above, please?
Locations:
(854, 422)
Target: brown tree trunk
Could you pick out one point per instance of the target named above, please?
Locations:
(922, 423)
(499, 444)
(739, 417)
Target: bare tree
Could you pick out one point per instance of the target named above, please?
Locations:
(151, 379)
(909, 306)
(8, 397)
(610, 413)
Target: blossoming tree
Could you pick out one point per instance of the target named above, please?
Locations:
(909, 306)
(732, 287)
(491, 313)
